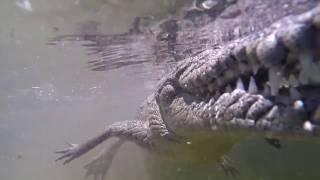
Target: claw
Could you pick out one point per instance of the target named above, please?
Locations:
(69, 153)
(62, 157)
(71, 145)
(61, 151)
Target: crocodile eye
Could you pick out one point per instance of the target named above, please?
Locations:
(167, 94)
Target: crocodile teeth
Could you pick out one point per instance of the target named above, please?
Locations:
(252, 86)
(240, 84)
(211, 101)
(273, 113)
(274, 79)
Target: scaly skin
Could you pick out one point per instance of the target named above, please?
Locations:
(262, 80)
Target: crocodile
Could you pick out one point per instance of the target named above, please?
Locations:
(256, 73)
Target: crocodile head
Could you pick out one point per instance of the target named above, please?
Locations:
(266, 81)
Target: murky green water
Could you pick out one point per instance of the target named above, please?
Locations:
(49, 97)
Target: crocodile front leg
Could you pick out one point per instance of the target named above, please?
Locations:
(132, 130)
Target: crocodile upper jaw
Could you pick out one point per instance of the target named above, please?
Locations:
(272, 76)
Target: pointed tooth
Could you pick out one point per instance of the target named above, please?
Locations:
(294, 94)
(240, 84)
(211, 101)
(266, 90)
(274, 80)
(273, 113)
(228, 88)
(293, 81)
(253, 89)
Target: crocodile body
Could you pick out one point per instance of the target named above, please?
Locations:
(252, 69)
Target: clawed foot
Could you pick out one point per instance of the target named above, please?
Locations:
(69, 154)
(225, 165)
